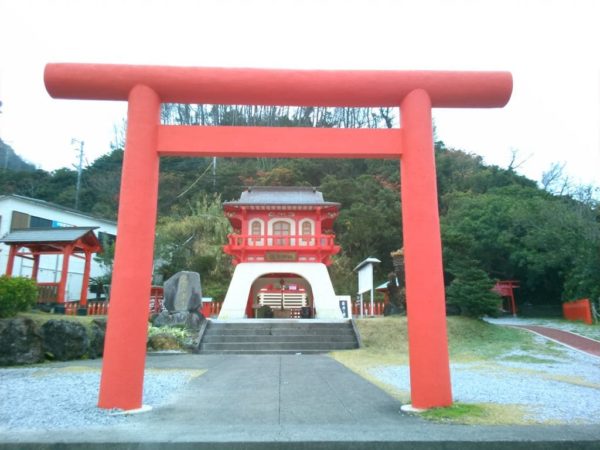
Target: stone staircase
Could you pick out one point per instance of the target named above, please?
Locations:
(272, 336)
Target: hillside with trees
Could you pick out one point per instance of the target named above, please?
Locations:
(496, 224)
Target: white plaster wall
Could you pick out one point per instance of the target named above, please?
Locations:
(50, 265)
(325, 300)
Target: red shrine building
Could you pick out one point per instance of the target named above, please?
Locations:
(281, 243)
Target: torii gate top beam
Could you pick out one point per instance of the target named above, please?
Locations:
(447, 89)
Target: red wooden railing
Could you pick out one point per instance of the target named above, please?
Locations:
(47, 292)
(377, 309)
(280, 242)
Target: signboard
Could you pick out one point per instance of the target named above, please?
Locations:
(365, 278)
(280, 256)
(345, 305)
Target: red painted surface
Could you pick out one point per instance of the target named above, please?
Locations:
(278, 86)
(146, 86)
(126, 333)
(279, 142)
(249, 303)
(62, 284)
(505, 288)
(425, 297)
(12, 253)
(36, 267)
(86, 279)
(86, 245)
(576, 341)
(578, 310)
(157, 296)
(319, 246)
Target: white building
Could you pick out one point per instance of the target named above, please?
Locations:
(18, 212)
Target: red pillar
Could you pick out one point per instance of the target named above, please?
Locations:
(86, 280)
(425, 297)
(64, 273)
(12, 253)
(36, 266)
(125, 346)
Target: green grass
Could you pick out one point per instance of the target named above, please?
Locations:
(477, 414)
(41, 318)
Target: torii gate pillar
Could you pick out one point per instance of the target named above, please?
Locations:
(425, 297)
(125, 344)
(145, 87)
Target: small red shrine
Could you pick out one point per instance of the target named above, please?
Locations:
(281, 243)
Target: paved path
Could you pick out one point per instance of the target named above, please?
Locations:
(286, 402)
(567, 338)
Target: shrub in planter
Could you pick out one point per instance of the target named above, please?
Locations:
(264, 312)
(16, 294)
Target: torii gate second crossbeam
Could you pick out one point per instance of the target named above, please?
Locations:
(146, 87)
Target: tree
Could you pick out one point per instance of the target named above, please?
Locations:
(470, 290)
(192, 239)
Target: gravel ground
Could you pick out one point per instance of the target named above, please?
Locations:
(66, 398)
(558, 389)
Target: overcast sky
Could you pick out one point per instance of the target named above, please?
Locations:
(551, 47)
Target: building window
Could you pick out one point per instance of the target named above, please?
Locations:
(39, 222)
(281, 228)
(256, 228)
(19, 221)
(306, 228)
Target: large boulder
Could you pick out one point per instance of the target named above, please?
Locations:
(97, 334)
(189, 320)
(65, 340)
(183, 292)
(20, 342)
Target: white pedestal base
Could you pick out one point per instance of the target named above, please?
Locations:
(325, 301)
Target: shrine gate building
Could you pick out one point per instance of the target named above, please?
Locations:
(281, 243)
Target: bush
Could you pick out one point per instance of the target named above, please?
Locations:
(16, 294)
(471, 291)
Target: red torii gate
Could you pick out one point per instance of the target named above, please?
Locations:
(145, 87)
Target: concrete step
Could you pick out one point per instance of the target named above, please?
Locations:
(265, 352)
(291, 346)
(264, 337)
(279, 326)
(346, 337)
(279, 332)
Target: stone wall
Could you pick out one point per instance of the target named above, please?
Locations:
(23, 341)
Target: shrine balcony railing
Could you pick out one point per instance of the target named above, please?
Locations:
(282, 242)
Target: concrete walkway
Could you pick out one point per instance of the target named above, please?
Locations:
(575, 341)
(288, 401)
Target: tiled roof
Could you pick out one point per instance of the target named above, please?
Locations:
(35, 235)
(46, 204)
(281, 195)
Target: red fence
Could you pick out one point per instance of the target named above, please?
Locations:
(377, 309)
(47, 292)
(578, 310)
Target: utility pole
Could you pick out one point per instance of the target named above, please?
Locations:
(79, 167)
(214, 173)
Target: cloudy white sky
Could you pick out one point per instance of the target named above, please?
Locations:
(551, 47)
